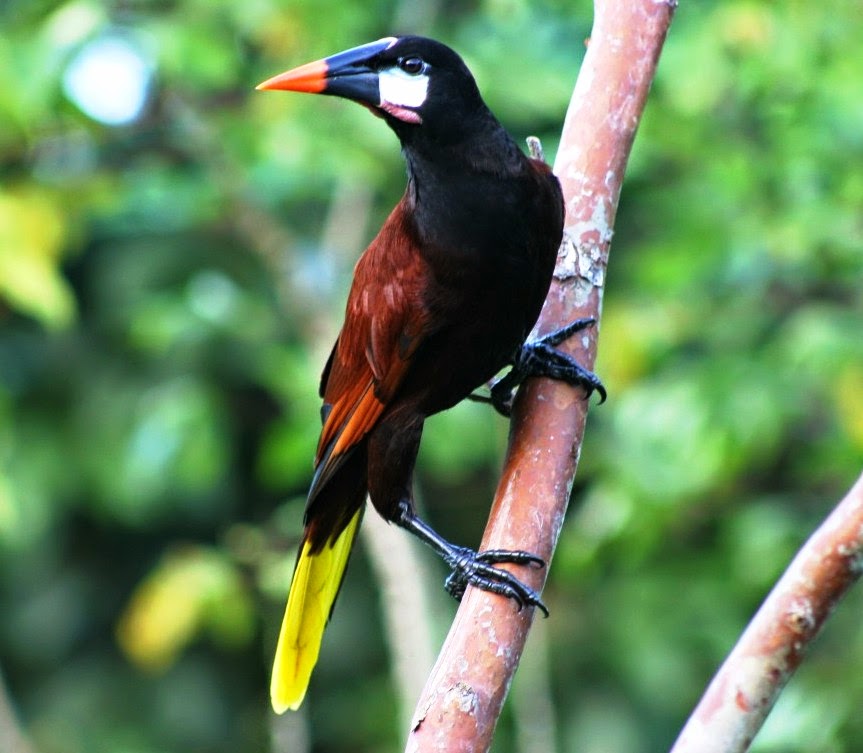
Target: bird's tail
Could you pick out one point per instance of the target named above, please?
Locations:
(317, 579)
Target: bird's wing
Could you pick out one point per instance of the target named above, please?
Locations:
(385, 322)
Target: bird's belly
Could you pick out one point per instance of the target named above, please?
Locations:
(465, 355)
(489, 300)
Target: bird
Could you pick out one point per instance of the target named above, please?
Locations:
(442, 300)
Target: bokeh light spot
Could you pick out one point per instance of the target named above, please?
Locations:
(109, 80)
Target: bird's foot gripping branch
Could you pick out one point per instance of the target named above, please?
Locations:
(540, 358)
(471, 568)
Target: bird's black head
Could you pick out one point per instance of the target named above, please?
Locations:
(421, 87)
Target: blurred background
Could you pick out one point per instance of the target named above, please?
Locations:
(175, 249)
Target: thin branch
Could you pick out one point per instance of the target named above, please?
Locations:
(12, 736)
(532, 701)
(406, 607)
(465, 692)
(744, 690)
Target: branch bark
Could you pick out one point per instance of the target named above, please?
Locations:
(464, 695)
(744, 690)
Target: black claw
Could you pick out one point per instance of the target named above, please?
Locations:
(556, 337)
(477, 569)
(470, 568)
(502, 393)
(541, 358)
(455, 585)
(516, 557)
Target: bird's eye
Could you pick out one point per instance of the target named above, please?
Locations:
(411, 65)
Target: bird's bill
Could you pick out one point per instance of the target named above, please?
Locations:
(346, 74)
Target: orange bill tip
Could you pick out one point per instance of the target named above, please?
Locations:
(310, 78)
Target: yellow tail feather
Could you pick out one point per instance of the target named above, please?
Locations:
(314, 588)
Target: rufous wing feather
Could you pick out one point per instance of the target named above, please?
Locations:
(385, 325)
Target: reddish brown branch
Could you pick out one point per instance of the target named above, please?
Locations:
(466, 690)
(744, 690)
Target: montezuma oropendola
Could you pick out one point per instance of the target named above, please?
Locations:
(442, 299)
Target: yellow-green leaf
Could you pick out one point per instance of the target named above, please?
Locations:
(32, 232)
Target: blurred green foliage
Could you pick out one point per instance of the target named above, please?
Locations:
(174, 253)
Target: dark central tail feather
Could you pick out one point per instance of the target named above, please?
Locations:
(331, 506)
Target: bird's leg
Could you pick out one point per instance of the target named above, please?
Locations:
(471, 568)
(541, 358)
(501, 393)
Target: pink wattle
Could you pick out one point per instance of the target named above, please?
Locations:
(402, 113)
